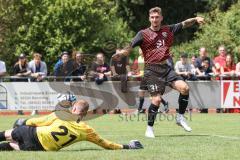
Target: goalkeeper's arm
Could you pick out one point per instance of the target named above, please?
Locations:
(95, 138)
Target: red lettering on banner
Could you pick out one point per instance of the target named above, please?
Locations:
(226, 86)
(236, 101)
(236, 87)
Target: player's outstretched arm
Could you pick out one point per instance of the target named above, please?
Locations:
(95, 138)
(122, 52)
(191, 21)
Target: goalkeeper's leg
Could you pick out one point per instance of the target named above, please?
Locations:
(6, 135)
(7, 146)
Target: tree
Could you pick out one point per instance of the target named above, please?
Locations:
(135, 12)
(52, 26)
(222, 28)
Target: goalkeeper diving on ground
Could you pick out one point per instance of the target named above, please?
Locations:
(55, 131)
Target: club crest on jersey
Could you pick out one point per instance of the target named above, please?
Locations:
(164, 34)
(153, 35)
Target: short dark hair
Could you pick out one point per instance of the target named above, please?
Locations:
(155, 9)
(64, 53)
(184, 55)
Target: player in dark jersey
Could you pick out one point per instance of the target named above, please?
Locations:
(155, 43)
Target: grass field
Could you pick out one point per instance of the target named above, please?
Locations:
(214, 137)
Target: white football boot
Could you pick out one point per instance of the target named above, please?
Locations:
(181, 121)
(149, 132)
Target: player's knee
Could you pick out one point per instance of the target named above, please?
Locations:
(141, 93)
(156, 100)
(185, 90)
(8, 135)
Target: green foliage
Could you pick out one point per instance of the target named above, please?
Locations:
(222, 28)
(51, 26)
(135, 12)
(222, 5)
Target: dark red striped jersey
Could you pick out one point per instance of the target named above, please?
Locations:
(156, 44)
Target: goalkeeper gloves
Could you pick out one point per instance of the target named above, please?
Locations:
(133, 144)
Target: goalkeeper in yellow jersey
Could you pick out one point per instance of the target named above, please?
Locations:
(55, 131)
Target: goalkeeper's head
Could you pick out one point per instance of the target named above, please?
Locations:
(80, 108)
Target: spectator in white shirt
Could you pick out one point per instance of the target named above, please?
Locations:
(183, 68)
(2, 69)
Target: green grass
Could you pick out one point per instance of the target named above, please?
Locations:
(214, 137)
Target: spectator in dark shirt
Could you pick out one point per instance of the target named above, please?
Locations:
(64, 67)
(21, 69)
(120, 69)
(205, 71)
(79, 67)
(203, 55)
(100, 70)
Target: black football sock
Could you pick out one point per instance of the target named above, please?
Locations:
(141, 101)
(183, 103)
(163, 102)
(152, 114)
(2, 136)
(5, 147)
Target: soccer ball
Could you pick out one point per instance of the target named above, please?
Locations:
(66, 97)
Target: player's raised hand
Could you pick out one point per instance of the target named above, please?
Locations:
(200, 20)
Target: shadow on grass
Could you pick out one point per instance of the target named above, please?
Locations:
(81, 150)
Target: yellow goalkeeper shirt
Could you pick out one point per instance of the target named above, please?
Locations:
(60, 129)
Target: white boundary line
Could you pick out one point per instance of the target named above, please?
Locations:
(172, 135)
(226, 137)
